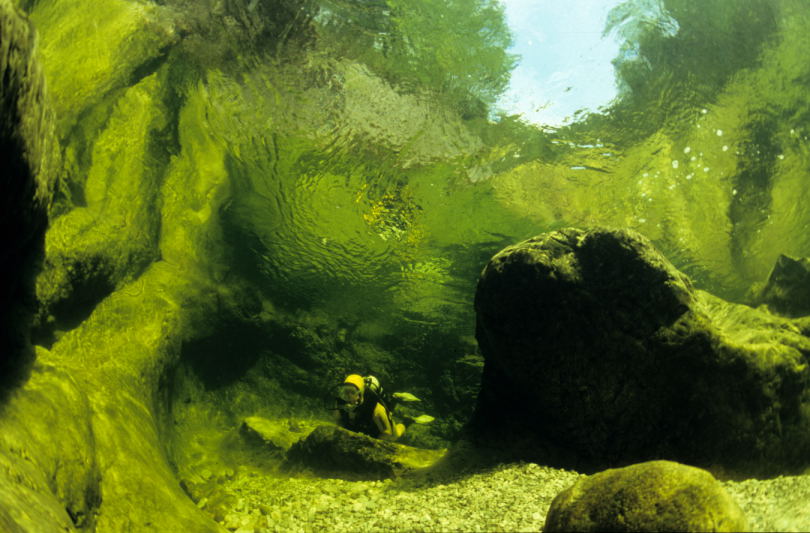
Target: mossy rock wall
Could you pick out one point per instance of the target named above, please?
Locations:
(138, 269)
(80, 438)
(27, 156)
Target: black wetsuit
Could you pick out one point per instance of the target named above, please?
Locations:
(364, 420)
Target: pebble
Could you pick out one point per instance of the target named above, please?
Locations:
(511, 497)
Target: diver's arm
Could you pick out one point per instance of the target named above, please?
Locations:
(382, 422)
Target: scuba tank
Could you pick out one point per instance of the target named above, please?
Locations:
(375, 391)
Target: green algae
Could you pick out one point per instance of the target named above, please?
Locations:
(333, 452)
(119, 359)
(340, 203)
(652, 496)
(195, 186)
(61, 470)
(29, 158)
(86, 58)
(109, 240)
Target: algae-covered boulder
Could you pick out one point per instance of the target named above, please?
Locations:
(787, 290)
(331, 451)
(274, 435)
(594, 342)
(25, 158)
(652, 496)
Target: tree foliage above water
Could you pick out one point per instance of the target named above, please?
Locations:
(704, 150)
(456, 48)
(677, 55)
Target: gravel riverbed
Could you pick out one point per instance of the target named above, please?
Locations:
(778, 504)
(512, 497)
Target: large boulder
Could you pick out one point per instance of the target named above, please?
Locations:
(653, 496)
(331, 451)
(595, 344)
(787, 290)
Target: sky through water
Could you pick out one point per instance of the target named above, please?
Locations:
(565, 61)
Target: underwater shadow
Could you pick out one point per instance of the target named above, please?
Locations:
(465, 458)
(224, 356)
(14, 374)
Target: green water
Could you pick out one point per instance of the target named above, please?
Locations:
(263, 196)
(345, 164)
(376, 174)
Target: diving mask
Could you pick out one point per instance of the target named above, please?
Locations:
(349, 397)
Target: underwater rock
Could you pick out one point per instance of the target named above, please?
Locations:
(25, 144)
(331, 451)
(787, 290)
(114, 361)
(274, 435)
(37, 491)
(653, 496)
(96, 248)
(117, 356)
(33, 497)
(121, 44)
(464, 381)
(594, 343)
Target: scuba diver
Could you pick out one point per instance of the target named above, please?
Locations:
(361, 406)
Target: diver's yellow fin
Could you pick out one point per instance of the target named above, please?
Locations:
(423, 419)
(405, 397)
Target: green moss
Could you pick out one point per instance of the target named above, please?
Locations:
(653, 496)
(57, 460)
(118, 356)
(84, 57)
(113, 237)
(331, 451)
